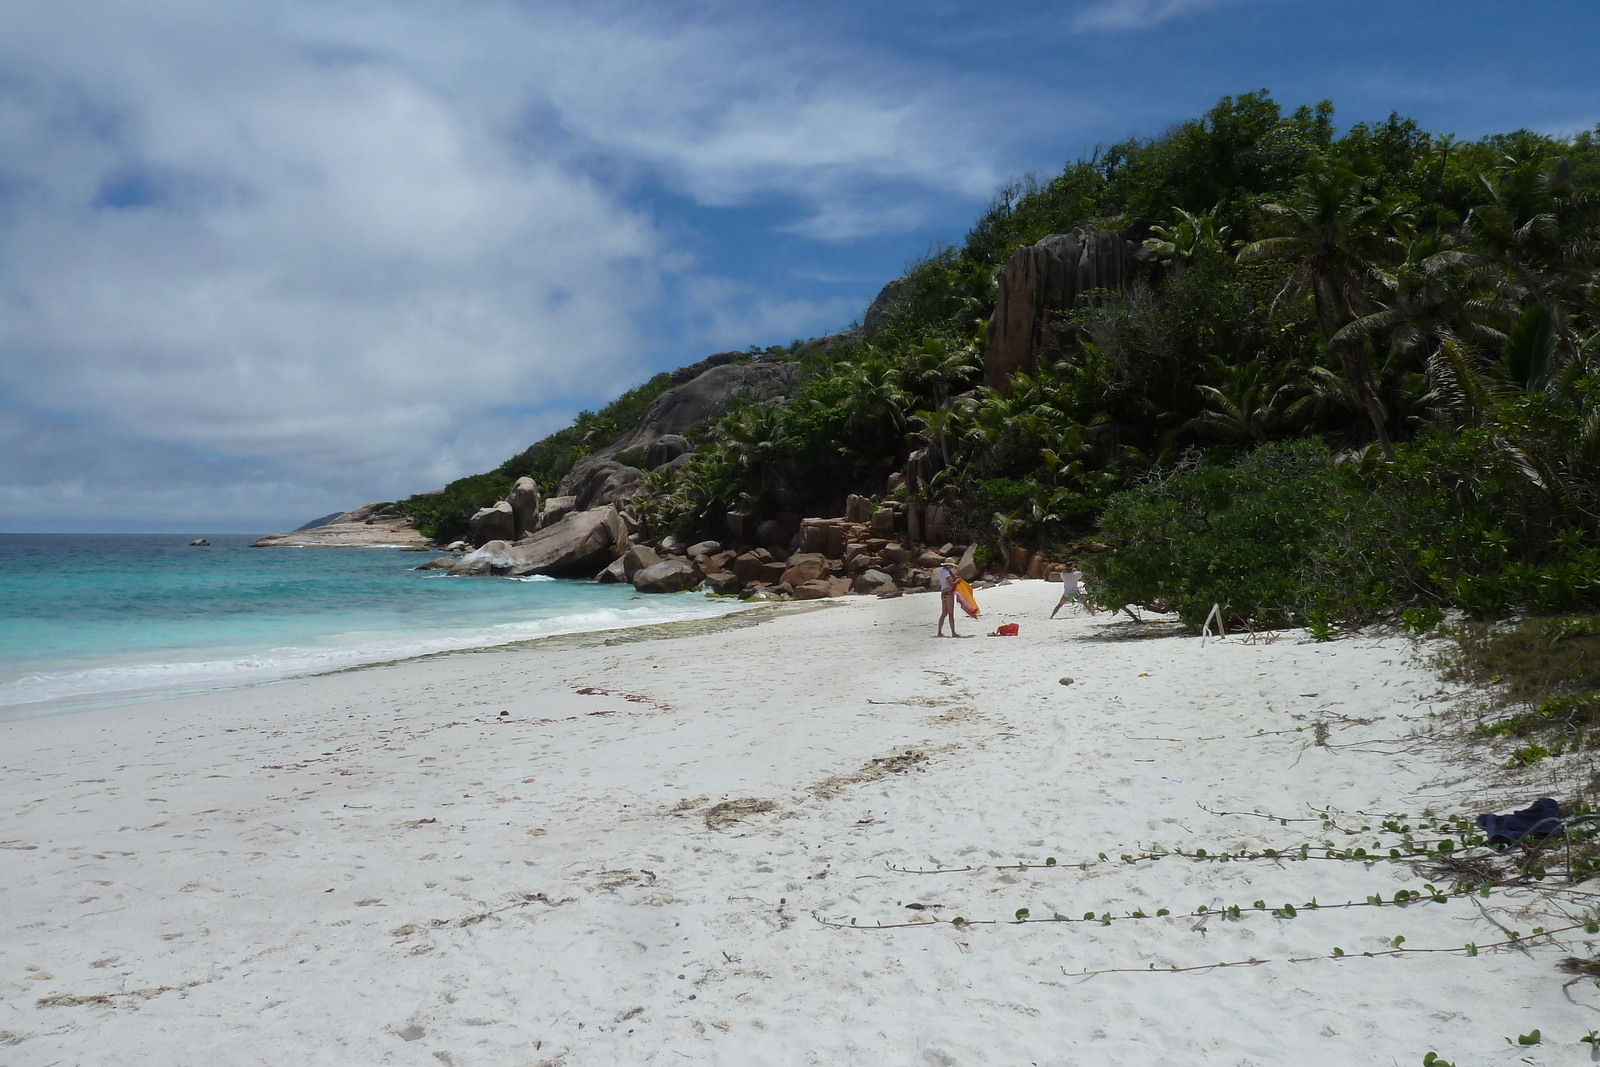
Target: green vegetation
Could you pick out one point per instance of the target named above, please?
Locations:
(1543, 677)
(1361, 379)
(1242, 534)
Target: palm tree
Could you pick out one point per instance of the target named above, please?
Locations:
(1529, 232)
(1030, 412)
(942, 366)
(753, 436)
(1336, 235)
(976, 289)
(1546, 421)
(1475, 387)
(1191, 236)
(1255, 401)
(1424, 300)
(876, 404)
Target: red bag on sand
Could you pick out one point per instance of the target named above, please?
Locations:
(1008, 629)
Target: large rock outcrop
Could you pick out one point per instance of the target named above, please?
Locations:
(679, 408)
(607, 482)
(621, 486)
(883, 307)
(554, 510)
(666, 449)
(524, 501)
(577, 546)
(1055, 274)
(699, 367)
(493, 523)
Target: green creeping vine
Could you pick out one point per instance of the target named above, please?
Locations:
(1232, 912)
(1229, 913)
(1518, 943)
(1406, 848)
(1465, 835)
(1527, 1040)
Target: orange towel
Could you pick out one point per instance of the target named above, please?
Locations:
(965, 598)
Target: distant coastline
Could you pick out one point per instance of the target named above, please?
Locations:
(369, 526)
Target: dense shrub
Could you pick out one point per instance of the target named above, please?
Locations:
(1287, 534)
(1236, 535)
(1456, 520)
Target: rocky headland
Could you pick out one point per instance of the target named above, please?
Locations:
(879, 545)
(369, 526)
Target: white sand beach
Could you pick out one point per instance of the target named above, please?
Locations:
(616, 849)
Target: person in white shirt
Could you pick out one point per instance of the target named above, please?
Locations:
(947, 597)
(1071, 576)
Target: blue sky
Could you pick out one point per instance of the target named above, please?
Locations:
(262, 261)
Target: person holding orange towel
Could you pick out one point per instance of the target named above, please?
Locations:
(947, 597)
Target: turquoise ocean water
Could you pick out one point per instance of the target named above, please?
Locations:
(94, 620)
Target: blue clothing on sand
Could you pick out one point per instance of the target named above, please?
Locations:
(1539, 820)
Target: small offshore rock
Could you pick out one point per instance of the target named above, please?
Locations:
(472, 565)
(200, 542)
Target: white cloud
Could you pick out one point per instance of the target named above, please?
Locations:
(265, 259)
(1136, 14)
(731, 104)
(272, 258)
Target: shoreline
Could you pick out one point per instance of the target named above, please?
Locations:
(608, 849)
(106, 699)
